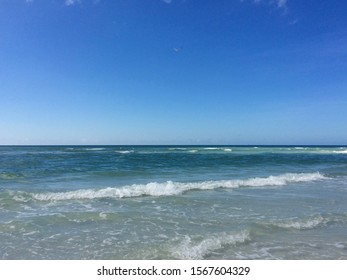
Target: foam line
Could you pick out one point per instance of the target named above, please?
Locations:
(170, 188)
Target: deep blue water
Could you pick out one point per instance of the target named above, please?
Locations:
(173, 202)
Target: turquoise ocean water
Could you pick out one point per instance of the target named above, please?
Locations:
(173, 202)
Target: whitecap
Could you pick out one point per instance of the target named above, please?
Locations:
(20, 196)
(218, 149)
(125, 152)
(302, 224)
(196, 250)
(103, 215)
(170, 188)
(95, 149)
(340, 152)
(30, 233)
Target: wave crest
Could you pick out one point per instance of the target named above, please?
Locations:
(308, 222)
(341, 152)
(189, 249)
(170, 188)
(302, 224)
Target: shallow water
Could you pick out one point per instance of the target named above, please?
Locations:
(173, 202)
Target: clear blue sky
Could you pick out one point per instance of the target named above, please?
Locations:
(173, 72)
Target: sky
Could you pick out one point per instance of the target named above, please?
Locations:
(189, 72)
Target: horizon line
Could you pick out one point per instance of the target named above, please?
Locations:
(189, 145)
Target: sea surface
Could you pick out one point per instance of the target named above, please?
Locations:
(173, 202)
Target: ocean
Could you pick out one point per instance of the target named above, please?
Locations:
(173, 202)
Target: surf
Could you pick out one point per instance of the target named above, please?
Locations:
(170, 188)
(196, 250)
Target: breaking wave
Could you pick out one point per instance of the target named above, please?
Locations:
(125, 152)
(341, 152)
(303, 224)
(196, 250)
(170, 188)
(308, 222)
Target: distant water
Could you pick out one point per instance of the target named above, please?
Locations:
(173, 202)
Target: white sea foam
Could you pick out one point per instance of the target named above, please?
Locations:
(103, 215)
(189, 249)
(302, 224)
(19, 196)
(30, 233)
(218, 149)
(95, 149)
(175, 188)
(125, 152)
(341, 152)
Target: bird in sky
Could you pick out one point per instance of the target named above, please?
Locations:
(177, 49)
